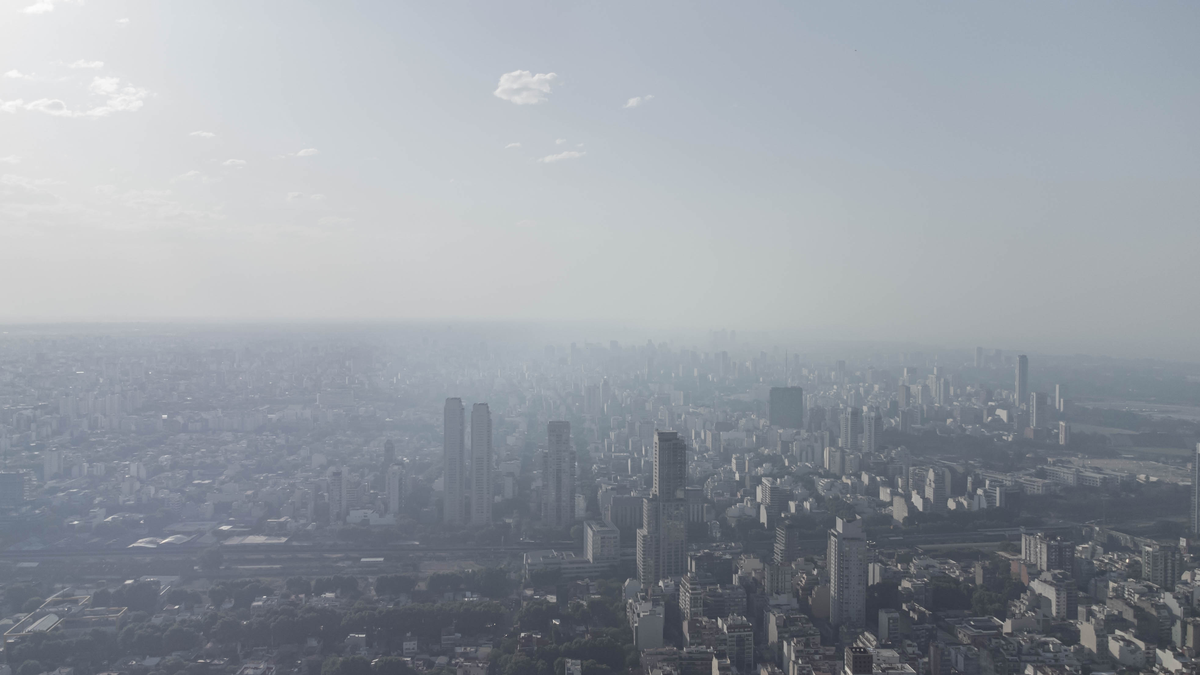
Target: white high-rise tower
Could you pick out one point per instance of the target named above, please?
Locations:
(481, 464)
(662, 539)
(1196, 490)
(847, 561)
(453, 448)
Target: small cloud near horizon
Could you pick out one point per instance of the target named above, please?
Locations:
(569, 154)
(524, 88)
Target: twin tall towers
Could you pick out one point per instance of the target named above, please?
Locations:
(469, 497)
(479, 483)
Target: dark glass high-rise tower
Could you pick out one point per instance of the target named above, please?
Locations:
(453, 449)
(481, 464)
(1022, 384)
(786, 407)
(558, 477)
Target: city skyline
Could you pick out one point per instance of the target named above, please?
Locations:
(339, 339)
(868, 502)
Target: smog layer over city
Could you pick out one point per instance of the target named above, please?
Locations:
(662, 338)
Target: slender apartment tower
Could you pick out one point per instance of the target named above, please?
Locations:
(453, 447)
(481, 464)
(1196, 490)
(1022, 383)
(558, 477)
(395, 488)
(337, 496)
(662, 539)
(847, 561)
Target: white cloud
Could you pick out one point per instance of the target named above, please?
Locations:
(203, 134)
(11, 106)
(301, 196)
(28, 192)
(40, 7)
(524, 88)
(569, 154)
(512, 145)
(194, 176)
(239, 163)
(104, 85)
(92, 65)
(638, 100)
(123, 22)
(50, 106)
(44, 6)
(155, 208)
(559, 141)
(119, 99)
(15, 74)
(10, 159)
(306, 152)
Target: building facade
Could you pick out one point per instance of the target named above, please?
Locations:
(786, 407)
(481, 464)
(662, 539)
(454, 459)
(1021, 392)
(558, 477)
(847, 561)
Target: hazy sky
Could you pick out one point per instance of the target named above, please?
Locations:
(1019, 175)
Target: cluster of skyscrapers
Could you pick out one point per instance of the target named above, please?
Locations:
(468, 491)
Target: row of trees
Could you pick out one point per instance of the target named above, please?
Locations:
(242, 592)
(358, 665)
(274, 628)
(945, 593)
(96, 648)
(607, 649)
(387, 627)
(603, 652)
(491, 582)
(141, 596)
(346, 587)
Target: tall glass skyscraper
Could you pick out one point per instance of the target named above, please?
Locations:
(558, 477)
(1022, 385)
(481, 464)
(453, 448)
